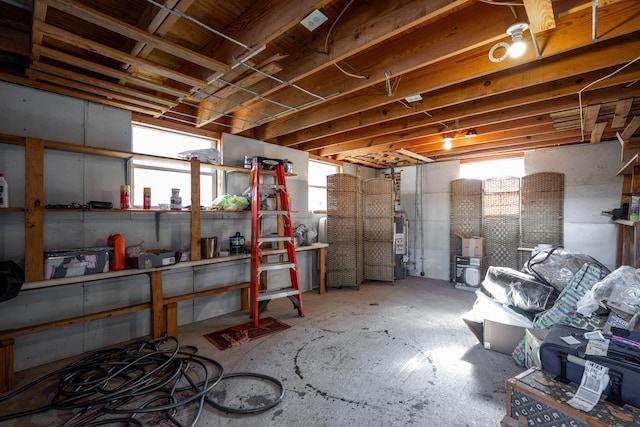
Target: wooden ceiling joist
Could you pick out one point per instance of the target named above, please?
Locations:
(540, 14)
(189, 64)
(70, 38)
(123, 77)
(95, 17)
(598, 130)
(623, 107)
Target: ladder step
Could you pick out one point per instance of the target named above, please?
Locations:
(277, 293)
(268, 186)
(269, 239)
(276, 266)
(261, 213)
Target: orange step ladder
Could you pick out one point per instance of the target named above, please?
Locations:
(262, 252)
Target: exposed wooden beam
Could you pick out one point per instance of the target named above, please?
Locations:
(503, 114)
(449, 72)
(415, 156)
(159, 25)
(83, 87)
(633, 125)
(111, 90)
(206, 115)
(100, 49)
(418, 49)
(39, 15)
(107, 71)
(598, 130)
(93, 16)
(540, 14)
(502, 95)
(590, 117)
(622, 112)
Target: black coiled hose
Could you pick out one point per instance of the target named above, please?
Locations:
(117, 385)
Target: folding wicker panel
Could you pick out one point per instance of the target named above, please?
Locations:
(344, 231)
(466, 215)
(542, 209)
(501, 218)
(342, 195)
(378, 229)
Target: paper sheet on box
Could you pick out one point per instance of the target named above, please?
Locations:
(594, 381)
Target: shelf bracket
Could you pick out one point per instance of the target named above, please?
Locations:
(127, 169)
(157, 214)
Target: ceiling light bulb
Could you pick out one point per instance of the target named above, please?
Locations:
(447, 143)
(471, 133)
(518, 47)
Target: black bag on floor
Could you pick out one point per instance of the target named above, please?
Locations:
(11, 280)
(622, 359)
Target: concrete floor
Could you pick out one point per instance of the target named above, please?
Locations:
(383, 355)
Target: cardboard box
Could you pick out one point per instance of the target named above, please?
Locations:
(501, 337)
(473, 247)
(532, 340)
(470, 272)
(75, 262)
(153, 259)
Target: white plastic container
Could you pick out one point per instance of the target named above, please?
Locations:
(4, 192)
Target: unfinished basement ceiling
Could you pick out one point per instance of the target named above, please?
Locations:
(346, 90)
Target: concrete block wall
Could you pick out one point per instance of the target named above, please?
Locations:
(591, 186)
(71, 177)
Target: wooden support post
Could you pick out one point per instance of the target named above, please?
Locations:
(244, 298)
(158, 323)
(620, 245)
(321, 270)
(635, 181)
(6, 365)
(195, 210)
(34, 209)
(636, 240)
(171, 314)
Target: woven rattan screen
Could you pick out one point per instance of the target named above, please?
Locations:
(501, 220)
(542, 215)
(466, 214)
(378, 229)
(344, 264)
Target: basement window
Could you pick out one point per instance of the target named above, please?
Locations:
(162, 176)
(318, 172)
(492, 169)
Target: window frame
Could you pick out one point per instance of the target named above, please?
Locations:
(338, 169)
(179, 166)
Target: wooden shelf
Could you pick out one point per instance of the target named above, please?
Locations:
(105, 152)
(627, 169)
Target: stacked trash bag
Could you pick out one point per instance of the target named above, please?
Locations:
(557, 286)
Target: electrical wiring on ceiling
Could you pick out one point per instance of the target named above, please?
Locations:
(326, 46)
(510, 5)
(613, 73)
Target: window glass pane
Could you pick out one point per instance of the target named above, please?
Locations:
(161, 182)
(318, 172)
(164, 143)
(492, 169)
(317, 199)
(162, 176)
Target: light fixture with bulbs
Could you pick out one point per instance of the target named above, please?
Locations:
(447, 142)
(471, 133)
(517, 47)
